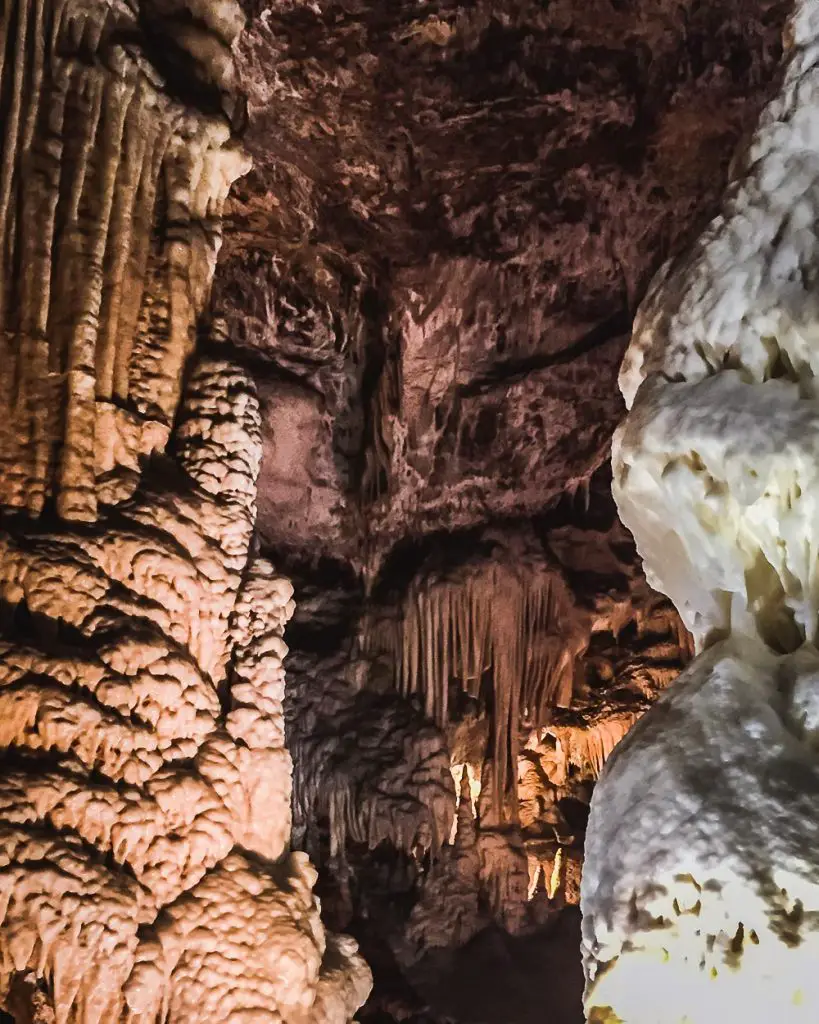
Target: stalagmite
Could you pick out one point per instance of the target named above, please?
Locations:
(182, 922)
(701, 883)
(145, 864)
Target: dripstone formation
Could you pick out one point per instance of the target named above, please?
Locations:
(145, 866)
(701, 888)
(310, 316)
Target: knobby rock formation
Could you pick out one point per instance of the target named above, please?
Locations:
(145, 794)
(402, 396)
(701, 888)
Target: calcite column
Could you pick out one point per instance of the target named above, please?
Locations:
(145, 872)
(701, 884)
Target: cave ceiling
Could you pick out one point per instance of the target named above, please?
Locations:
(452, 214)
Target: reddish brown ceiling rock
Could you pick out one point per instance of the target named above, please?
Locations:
(501, 404)
(451, 217)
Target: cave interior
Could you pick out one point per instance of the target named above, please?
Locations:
(318, 620)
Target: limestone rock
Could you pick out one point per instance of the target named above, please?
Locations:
(701, 888)
(99, 304)
(701, 878)
(145, 819)
(123, 750)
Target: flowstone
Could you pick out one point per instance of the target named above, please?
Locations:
(700, 892)
(145, 864)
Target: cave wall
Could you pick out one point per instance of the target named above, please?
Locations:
(434, 268)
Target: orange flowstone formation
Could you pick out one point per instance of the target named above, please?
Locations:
(145, 872)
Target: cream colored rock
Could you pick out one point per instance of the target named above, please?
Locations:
(98, 301)
(701, 880)
(714, 468)
(129, 755)
(718, 482)
(247, 946)
(700, 890)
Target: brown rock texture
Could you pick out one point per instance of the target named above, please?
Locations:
(111, 195)
(433, 267)
(399, 389)
(451, 217)
(146, 830)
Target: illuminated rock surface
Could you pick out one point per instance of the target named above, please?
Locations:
(701, 886)
(701, 881)
(145, 867)
(146, 832)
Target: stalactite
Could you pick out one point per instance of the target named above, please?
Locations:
(589, 745)
(96, 162)
(368, 763)
(517, 623)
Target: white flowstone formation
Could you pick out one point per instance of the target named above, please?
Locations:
(700, 893)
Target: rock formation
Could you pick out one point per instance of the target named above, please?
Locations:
(374, 795)
(400, 395)
(111, 196)
(701, 884)
(431, 270)
(145, 868)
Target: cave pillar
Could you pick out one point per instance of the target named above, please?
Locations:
(145, 870)
(700, 893)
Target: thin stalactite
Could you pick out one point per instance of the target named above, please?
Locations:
(516, 624)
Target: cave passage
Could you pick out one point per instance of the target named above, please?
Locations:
(323, 630)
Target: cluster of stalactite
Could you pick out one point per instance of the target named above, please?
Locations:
(532, 686)
(515, 626)
(625, 678)
(509, 857)
(111, 194)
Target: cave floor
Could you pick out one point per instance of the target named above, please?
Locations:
(496, 978)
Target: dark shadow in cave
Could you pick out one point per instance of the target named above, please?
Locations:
(497, 978)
